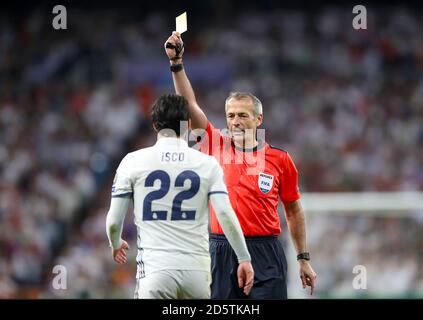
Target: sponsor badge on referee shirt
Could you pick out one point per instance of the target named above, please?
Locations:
(265, 182)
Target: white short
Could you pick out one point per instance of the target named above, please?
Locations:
(174, 284)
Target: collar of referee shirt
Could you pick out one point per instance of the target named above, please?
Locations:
(259, 146)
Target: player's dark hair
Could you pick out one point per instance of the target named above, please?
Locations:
(168, 111)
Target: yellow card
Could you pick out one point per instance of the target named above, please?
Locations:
(181, 23)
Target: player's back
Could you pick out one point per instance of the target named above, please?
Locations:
(171, 183)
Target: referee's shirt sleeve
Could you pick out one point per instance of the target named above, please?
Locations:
(289, 190)
(122, 183)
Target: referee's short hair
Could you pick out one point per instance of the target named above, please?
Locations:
(237, 95)
(169, 111)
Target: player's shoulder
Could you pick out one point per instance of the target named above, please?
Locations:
(197, 153)
(206, 163)
(137, 155)
(140, 152)
(202, 157)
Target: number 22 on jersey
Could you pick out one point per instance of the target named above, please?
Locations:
(164, 178)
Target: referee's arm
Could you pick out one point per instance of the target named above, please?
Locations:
(296, 224)
(183, 86)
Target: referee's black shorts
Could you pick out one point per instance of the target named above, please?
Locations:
(269, 263)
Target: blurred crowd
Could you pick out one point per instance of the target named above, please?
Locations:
(347, 104)
(382, 251)
(63, 123)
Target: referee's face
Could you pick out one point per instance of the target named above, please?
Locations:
(242, 122)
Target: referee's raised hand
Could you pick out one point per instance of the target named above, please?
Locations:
(174, 46)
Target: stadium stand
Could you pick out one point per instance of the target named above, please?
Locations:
(346, 104)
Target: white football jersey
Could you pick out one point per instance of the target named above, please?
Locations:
(170, 184)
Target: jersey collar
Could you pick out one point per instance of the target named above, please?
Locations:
(171, 141)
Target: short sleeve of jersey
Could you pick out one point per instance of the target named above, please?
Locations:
(122, 184)
(289, 190)
(217, 181)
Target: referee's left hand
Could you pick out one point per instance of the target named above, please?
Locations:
(307, 275)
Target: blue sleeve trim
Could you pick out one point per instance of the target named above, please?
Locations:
(214, 192)
(122, 195)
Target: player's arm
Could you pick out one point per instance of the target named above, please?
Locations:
(181, 82)
(230, 225)
(233, 232)
(296, 224)
(114, 224)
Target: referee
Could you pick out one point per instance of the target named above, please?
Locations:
(254, 188)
